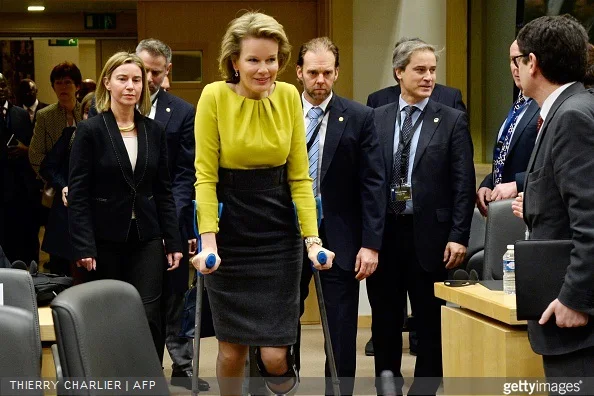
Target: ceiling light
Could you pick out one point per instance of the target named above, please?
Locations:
(36, 8)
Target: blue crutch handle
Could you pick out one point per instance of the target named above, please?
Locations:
(211, 260)
(322, 258)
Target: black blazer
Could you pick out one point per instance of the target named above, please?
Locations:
(443, 180)
(352, 182)
(520, 148)
(104, 190)
(558, 204)
(448, 96)
(18, 178)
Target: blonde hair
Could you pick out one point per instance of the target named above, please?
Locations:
(103, 96)
(251, 24)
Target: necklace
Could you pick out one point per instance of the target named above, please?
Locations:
(127, 128)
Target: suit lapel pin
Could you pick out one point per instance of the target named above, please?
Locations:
(341, 119)
(168, 110)
(436, 120)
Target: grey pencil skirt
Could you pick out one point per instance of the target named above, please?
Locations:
(254, 294)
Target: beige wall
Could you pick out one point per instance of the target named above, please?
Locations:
(377, 28)
(47, 57)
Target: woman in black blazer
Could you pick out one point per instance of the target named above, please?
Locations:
(122, 215)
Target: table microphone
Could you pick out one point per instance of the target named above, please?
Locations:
(463, 278)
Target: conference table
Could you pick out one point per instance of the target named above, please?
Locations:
(482, 336)
(48, 337)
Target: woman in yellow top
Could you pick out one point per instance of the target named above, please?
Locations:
(251, 156)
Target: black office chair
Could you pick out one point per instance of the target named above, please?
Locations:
(18, 348)
(102, 332)
(19, 292)
(503, 228)
(476, 244)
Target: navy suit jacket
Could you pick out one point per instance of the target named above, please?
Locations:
(448, 96)
(352, 181)
(177, 118)
(520, 148)
(443, 180)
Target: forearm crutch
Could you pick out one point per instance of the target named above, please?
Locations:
(211, 260)
(322, 306)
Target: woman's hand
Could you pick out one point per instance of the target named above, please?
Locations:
(88, 263)
(312, 253)
(199, 261)
(65, 196)
(173, 260)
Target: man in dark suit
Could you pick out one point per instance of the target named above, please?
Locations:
(559, 194)
(27, 98)
(442, 94)
(347, 170)
(177, 117)
(431, 188)
(18, 237)
(513, 147)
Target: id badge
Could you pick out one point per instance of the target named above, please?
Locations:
(401, 192)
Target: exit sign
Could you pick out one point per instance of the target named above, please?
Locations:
(105, 21)
(63, 43)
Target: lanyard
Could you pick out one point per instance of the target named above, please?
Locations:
(404, 145)
(315, 132)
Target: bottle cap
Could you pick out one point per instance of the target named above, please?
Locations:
(510, 247)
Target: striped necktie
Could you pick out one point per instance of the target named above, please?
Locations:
(314, 115)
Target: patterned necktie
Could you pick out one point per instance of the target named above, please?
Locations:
(504, 140)
(407, 128)
(313, 115)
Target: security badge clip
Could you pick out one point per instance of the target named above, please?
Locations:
(400, 192)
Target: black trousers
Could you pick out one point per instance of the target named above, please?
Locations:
(20, 239)
(341, 296)
(399, 272)
(140, 263)
(573, 367)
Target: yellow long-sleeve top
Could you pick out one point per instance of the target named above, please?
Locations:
(236, 132)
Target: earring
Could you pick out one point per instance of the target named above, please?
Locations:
(236, 73)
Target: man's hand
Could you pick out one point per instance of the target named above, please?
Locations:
(88, 263)
(173, 260)
(453, 255)
(365, 263)
(565, 316)
(20, 150)
(192, 246)
(65, 196)
(483, 197)
(518, 206)
(504, 191)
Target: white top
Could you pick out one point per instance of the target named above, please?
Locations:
(131, 143)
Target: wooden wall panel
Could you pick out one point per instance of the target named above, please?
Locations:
(200, 25)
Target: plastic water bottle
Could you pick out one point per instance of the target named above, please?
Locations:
(509, 271)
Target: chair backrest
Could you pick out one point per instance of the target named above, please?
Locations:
(19, 292)
(478, 227)
(18, 348)
(102, 331)
(503, 228)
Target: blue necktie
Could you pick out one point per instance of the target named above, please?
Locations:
(314, 115)
(407, 126)
(506, 137)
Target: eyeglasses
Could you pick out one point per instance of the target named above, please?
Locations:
(515, 59)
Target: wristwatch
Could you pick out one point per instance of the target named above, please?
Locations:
(312, 240)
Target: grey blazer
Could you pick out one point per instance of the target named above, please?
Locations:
(559, 204)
